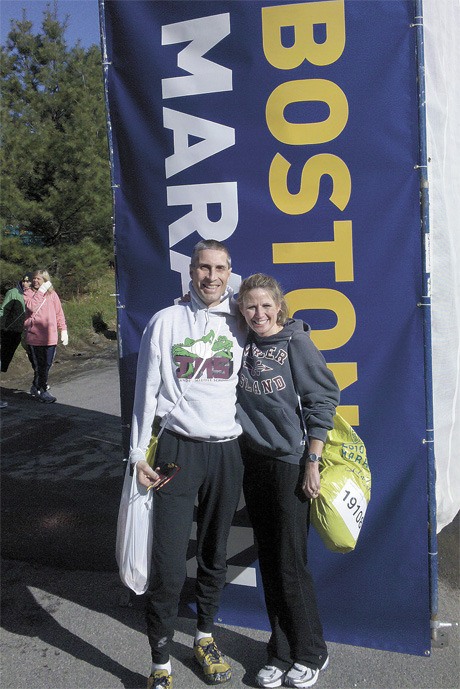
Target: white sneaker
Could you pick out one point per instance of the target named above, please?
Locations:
(270, 676)
(301, 676)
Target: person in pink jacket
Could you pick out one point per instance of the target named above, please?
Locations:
(44, 318)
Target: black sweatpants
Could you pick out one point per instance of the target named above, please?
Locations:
(10, 340)
(41, 358)
(211, 473)
(279, 513)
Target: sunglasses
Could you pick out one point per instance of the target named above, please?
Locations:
(166, 472)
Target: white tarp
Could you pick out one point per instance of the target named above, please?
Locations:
(442, 67)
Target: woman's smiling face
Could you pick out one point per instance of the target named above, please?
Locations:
(37, 281)
(260, 312)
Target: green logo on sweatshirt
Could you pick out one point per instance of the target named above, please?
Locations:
(218, 355)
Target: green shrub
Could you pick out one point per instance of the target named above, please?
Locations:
(73, 268)
(79, 266)
(17, 258)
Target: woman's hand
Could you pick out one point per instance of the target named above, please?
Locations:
(311, 483)
(146, 475)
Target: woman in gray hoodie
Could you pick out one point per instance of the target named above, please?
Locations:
(284, 376)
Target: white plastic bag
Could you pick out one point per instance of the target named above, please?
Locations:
(133, 549)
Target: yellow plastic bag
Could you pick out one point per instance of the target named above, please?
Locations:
(338, 512)
(151, 451)
(153, 444)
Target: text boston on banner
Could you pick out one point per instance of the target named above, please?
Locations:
(290, 131)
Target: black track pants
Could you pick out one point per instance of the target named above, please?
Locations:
(10, 341)
(211, 472)
(41, 358)
(279, 513)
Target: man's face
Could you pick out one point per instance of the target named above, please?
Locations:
(210, 275)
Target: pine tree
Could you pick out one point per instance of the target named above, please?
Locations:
(54, 153)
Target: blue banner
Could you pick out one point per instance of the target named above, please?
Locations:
(290, 132)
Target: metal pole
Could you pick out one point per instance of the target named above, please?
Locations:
(426, 305)
(106, 65)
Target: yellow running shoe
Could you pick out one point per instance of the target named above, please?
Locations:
(159, 679)
(211, 660)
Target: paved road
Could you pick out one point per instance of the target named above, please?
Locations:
(63, 626)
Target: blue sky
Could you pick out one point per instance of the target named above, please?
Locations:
(83, 21)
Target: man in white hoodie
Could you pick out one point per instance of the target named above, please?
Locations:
(193, 348)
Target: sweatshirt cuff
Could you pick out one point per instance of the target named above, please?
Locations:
(318, 433)
(44, 287)
(136, 455)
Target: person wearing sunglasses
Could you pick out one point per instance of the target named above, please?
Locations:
(12, 315)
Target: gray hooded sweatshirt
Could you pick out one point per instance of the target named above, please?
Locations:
(174, 343)
(274, 370)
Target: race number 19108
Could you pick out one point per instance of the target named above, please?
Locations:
(351, 505)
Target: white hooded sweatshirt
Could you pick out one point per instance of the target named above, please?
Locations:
(174, 344)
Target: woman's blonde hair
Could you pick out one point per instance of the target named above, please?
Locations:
(270, 285)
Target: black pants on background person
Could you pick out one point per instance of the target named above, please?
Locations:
(212, 472)
(41, 358)
(10, 340)
(279, 513)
